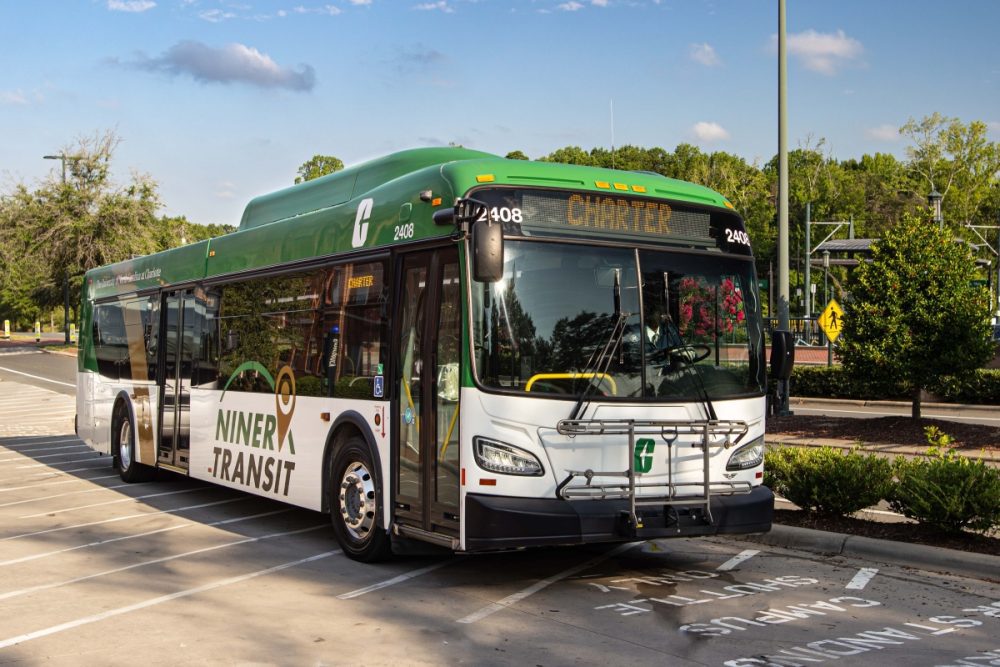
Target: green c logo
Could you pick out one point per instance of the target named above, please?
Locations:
(644, 455)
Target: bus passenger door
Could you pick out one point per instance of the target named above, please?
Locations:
(426, 449)
(189, 339)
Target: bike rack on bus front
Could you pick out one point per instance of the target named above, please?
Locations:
(669, 431)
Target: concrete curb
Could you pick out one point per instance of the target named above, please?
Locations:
(905, 554)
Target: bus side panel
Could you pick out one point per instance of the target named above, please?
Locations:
(255, 442)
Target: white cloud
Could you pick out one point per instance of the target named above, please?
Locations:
(599, 3)
(360, 3)
(571, 6)
(216, 16)
(234, 63)
(13, 98)
(441, 6)
(883, 133)
(329, 10)
(823, 52)
(709, 132)
(704, 54)
(135, 6)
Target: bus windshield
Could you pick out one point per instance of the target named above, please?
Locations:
(691, 324)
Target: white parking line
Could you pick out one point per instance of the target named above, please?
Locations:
(60, 473)
(36, 377)
(737, 559)
(191, 524)
(111, 613)
(21, 446)
(389, 582)
(862, 578)
(49, 482)
(70, 493)
(31, 455)
(164, 559)
(91, 457)
(540, 585)
(114, 502)
(123, 518)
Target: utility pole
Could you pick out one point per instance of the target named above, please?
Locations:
(62, 157)
(783, 291)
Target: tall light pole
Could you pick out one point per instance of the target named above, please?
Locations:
(784, 295)
(62, 157)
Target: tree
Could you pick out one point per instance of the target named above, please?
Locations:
(516, 155)
(64, 228)
(914, 314)
(956, 160)
(318, 165)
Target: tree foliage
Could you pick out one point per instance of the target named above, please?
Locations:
(63, 228)
(318, 165)
(914, 314)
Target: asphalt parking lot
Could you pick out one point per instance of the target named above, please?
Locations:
(93, 571)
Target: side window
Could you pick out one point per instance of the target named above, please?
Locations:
(354, 330)
(111, 341)
(325, 324)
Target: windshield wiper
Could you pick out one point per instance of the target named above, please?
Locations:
(599, 363)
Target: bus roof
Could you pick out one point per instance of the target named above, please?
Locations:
(313, 219)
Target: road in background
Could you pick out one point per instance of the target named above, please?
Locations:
(29, 365)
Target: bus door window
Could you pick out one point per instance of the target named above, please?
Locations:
(414, 284)
(447, 387)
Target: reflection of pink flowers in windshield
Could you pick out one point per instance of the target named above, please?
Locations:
(707, 310)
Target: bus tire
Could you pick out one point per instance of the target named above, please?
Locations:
(356, 502)
(123, 442)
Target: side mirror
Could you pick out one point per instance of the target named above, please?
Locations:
(782, 354)
(487, 251)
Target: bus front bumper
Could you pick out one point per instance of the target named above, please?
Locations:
(504, 522)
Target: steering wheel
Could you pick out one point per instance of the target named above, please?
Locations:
(687, 353)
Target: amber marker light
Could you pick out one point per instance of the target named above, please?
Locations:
(604, 185)
(436, 201)
(638, 188)
(485, 178)
(728, 205)
(621, 186)
(211, 253)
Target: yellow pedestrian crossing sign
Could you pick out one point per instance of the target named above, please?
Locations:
(831, 321)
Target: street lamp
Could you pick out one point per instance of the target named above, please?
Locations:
(934, 201)
(62, 157)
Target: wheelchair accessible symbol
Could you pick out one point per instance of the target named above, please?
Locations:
(379, 386)
(408, 416)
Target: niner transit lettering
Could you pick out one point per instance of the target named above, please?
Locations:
(259, 470)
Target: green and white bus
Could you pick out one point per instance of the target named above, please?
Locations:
(449, 347)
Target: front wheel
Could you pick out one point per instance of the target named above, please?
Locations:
(123, 439)
(356, 502)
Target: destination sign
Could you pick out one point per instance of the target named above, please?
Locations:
(538, 212)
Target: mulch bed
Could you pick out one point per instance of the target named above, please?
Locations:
(886, 430)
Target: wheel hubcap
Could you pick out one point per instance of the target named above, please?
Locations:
(357, 500)
(125, 445)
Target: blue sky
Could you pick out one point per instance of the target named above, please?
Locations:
(220, 101)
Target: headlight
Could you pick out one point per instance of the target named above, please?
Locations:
(505, 459)
(748, 456)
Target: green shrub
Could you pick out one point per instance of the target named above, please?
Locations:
(981, 388)
(947, 491)
(826, 480)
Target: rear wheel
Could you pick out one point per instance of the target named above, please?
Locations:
(356, 502)
(123, 439)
